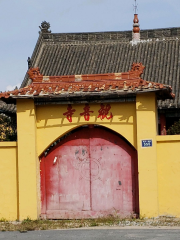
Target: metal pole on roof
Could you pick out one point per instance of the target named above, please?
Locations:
(135, 6)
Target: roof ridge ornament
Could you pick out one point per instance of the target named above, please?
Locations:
(136, 29)
(45, 27)
(136, 70)
(35, 75)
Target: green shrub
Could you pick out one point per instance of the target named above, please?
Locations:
(174, 129)
(8, 128)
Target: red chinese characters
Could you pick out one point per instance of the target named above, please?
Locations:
(86, 112)
(69, 113)
(104, 111)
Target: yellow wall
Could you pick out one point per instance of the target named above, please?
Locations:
(8, 180)
(51, 124)
(168, 159)
(146, 113)
(28, 162)
(39, 126)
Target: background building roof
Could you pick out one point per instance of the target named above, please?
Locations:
(111, 52)
(7, 108)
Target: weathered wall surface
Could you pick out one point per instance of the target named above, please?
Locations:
(8, 180)
(168, 162)
(52, 124)
(146, 113)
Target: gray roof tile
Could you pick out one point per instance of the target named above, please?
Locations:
(7, 108)
(109, 52)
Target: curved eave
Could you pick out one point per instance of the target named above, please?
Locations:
(161, 94)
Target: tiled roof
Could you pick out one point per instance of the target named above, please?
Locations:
(93, 85)
(7, 108)
(109, 52)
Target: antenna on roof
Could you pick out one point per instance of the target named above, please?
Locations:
(135, 6)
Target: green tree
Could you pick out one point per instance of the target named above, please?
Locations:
(174, 129)
(8, 129)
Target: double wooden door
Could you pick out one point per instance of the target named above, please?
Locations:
(91, 173)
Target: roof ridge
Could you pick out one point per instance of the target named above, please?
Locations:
(121, 84)
(111, 42)
(142, 30)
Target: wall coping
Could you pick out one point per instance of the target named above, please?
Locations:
(8, 144)
(167, 138)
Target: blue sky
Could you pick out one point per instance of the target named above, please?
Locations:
(20, 21)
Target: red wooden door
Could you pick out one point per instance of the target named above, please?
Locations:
(91, 173)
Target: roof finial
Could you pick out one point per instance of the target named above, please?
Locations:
(136, 29)
(135, 6)
(45, 26)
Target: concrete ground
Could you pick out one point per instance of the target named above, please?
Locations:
(98, 233)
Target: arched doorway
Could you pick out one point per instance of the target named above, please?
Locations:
(91, 173)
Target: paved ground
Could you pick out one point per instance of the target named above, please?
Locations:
(96, 234)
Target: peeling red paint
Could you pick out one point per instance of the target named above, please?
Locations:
(95, 175)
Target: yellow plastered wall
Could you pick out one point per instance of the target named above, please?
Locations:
(52, 124)
(8, 181)
(146, 113)
(168, 159)
(28, 162)
(40, 126)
